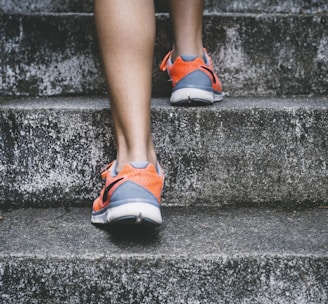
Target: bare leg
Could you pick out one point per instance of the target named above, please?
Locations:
(126, 34)
(187, 18)
(194, 82)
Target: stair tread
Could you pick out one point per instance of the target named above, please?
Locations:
(201, 255)
(101, 102)
(187, 232)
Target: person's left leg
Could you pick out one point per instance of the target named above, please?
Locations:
(126, 34)
(134, 181)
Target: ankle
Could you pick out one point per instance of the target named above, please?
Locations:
(197, 52)
(122, 160)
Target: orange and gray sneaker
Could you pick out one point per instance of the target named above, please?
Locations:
(131, 196)
(194, 81)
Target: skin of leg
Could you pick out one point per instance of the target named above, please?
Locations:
(187, 21)
(126, 35)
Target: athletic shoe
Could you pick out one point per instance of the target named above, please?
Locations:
(194, 81)
(131, 196)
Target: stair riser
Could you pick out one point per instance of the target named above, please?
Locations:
(263, 6)
(262, 279)
(253, 55)
(229, 155)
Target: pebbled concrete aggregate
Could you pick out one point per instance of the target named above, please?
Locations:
(268, 152)
(241, 6)
(199, 255)
(253, 54)
(241, 152)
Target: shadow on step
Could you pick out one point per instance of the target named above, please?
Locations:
(131, 234)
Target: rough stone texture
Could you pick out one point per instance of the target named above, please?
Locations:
(49, 55)
(46, 6)
(253, 54)
(270, 55)
(232, 256)
(57, 149)
(263, 6)
(267, 6)
(241, 152)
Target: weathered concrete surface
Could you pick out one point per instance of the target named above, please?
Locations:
(253, 54)
(198, 256)
(241, 152)
(267, 6)
(46, 6)
(262, 6)
(49, 55)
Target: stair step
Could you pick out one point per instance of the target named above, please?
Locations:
(264, 6)
(266, 54)
(202, 255)
(240, 152)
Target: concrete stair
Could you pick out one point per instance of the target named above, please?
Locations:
(200, 255)
(245, 200)
(47, 54)
(240, 6)
(241, 152)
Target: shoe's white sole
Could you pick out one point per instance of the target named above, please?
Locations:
(194, 96)
(137, 212)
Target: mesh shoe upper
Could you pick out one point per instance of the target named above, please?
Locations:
(136, 181)
(182, 69)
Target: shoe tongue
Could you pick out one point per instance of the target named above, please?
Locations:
(139, 165)
(188, 58)
(136, 165)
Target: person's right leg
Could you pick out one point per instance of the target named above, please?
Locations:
(187, 22)
(126, 34)
(194, 81)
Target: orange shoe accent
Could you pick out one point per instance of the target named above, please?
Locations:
(180, 68)
(148, 178)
